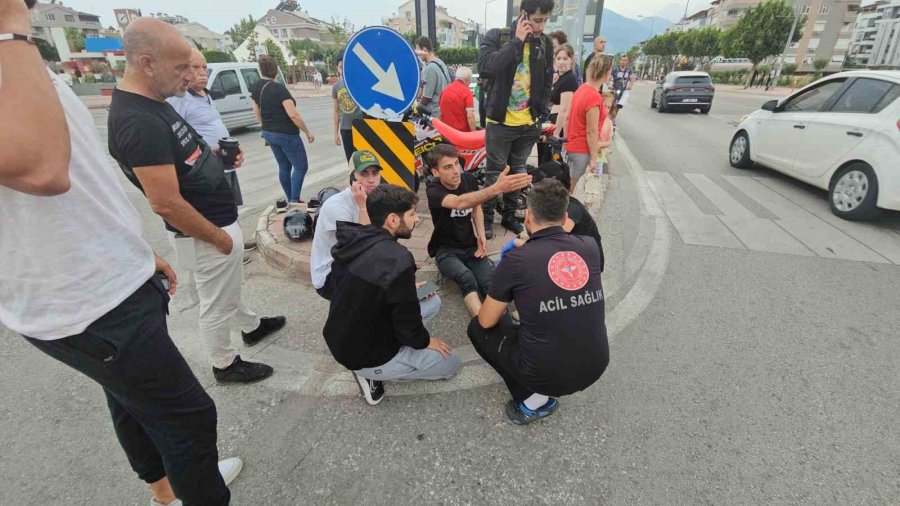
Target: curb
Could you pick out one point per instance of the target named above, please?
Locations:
(297, 265)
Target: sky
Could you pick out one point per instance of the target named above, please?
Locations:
(219, 15)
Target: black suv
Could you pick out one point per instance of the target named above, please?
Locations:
(684, 90)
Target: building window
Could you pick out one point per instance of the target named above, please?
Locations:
(70, 18)
(790, 59)
(825, 9)
(808, 60)
(813, 44)
(842, 44)
(50, 17)
(804, 10)
(819, 27)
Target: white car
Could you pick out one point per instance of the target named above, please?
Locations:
(229, 86)
(840, 133)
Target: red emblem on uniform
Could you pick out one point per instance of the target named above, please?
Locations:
(568, 270)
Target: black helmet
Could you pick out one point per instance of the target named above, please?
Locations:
(326, 193)
(323, 195)
(298, 225)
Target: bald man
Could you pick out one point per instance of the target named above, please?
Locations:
(599, 48)
(458, 103)
(185, 183)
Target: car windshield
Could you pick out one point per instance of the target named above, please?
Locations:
(688, 80)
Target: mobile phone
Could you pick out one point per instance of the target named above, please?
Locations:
(427, 289)
(162, 279)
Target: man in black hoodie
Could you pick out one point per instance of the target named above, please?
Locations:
(374, 325)
(518, 64)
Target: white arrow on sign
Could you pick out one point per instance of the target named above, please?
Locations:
(388, 82)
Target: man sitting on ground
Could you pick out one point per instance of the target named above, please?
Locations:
(350, 205)
(554, 279)
(374, 327)
(458, 240)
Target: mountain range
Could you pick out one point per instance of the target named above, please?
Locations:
(624, 33)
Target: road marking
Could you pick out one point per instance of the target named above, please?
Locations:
(817, 235)
(657, 258)
(881, 240)
(725, 202)
(758, 234)
(692, 224)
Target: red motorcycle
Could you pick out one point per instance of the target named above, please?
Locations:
(471, 145)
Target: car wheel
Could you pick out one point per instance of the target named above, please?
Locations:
(662, 106)
(653, 101)
(854, 193)
(739, 151)
(705, 110)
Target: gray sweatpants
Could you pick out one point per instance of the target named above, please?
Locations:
(411, 364)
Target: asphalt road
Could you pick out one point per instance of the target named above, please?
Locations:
(738, 375)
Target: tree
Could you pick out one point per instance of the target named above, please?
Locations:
(213, 56)
(48, 52)
(703, 45)
(75, 38)
(252, 42)
(305, 50)
(633, 54)
(339, 32)
(761, 33)
(241, 30)
(275, 52)
(789, 69)
(666, 46)
(819, 64)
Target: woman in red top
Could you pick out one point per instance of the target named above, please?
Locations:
(586, 116)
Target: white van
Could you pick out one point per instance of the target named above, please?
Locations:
(229, 86)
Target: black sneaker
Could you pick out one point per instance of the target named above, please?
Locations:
(266, 327)
(521, 415)
(488, 231)
(281, 206)
(512, 225)
(372, 390)
(242, 372)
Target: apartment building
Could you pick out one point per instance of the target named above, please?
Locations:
(876, 36)
(451, 31)
(724, 14)
(47, 16)
(198, 34)
(826, 35)
(287, 25)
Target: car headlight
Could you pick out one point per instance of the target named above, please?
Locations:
(744, 118)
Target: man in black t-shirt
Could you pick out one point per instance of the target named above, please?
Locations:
(554, 279)
(458, 241)
(185, 184)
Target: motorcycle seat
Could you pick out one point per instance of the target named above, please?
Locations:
(460, 139)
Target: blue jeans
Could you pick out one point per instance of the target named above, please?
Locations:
(292, 163)
(470, 273)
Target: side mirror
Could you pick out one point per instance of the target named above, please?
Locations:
(771, 106)
(217, 94)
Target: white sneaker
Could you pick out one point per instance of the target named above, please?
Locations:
(230, 469)
(176, 502)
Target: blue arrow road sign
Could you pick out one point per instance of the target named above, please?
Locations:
(381, 72)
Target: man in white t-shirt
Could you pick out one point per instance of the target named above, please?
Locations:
(77, 280)
(350, 205)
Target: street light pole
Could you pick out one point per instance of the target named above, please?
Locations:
(787, 45)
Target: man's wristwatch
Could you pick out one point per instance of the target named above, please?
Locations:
(16, 36)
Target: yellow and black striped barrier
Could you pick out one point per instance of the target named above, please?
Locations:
(393, 143)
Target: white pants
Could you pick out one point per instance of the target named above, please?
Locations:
(220, 281)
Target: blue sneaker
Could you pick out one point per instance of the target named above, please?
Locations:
(521, 415)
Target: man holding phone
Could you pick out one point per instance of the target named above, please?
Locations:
(518, 63)
(374, 328)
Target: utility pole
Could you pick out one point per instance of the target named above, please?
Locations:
(787, 45)
(425, 19)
